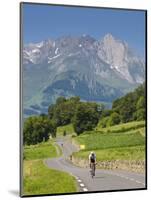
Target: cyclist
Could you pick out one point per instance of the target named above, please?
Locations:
(92, 160)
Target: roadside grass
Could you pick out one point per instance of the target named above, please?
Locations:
(68, 128)
(122, 153)
(42, 150)
(38, 179)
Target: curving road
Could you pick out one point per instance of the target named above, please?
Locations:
(104, 179)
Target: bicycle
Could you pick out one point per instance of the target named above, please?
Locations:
(92, 171)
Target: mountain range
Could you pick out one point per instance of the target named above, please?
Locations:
(96, 70)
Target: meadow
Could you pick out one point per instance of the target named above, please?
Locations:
(42, 150)
(120, 142)
(67, 128)
(38, 178)
(135, 125)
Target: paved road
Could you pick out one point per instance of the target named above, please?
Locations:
(104, 179)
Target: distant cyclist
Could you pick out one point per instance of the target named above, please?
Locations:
(92, 161)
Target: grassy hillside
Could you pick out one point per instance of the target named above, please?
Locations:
(38, 178)
(68, 128)
(121, 153)
(111, 140)
(120, 142)
(121, 127)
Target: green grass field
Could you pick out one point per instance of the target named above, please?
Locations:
(39, 151)
(104, 141)
(38, 179)
(121, 127)
(110, 144)
(68, 128)
(124, 153)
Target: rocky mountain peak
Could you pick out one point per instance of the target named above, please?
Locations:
(119, 56)
(108, 37)
(78, 66)
(111, 51)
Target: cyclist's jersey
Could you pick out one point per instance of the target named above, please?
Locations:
(92, 158)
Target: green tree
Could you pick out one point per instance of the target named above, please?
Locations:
(64, 133)
(129, 105)
(51, 110)
(140, 109)
(75, 99)
(104, 122)
(86, 117)
(63, 111)
(38, 129)
(114, 119)
(106, 113)
(140, 103)
(140, 114)
(60, 100)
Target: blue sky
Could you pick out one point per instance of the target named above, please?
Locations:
(41, 22)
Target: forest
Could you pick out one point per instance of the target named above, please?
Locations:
(84, 115)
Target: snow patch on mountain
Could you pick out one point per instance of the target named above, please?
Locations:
(54, 57)
(56, 51)
(35, 51)
(105, 55)
(39, 45)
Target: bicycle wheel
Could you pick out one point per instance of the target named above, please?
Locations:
(93, 170)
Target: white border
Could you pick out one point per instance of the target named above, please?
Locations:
(9, 99)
